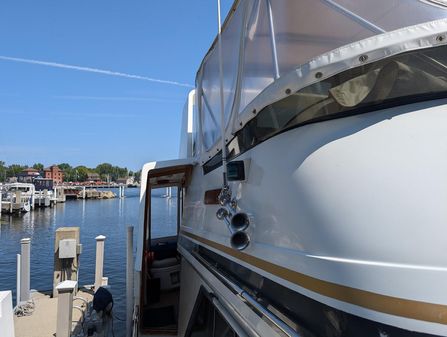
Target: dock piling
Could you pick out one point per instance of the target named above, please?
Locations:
(25, 270)
(129, 281)
(6, 314)
(18, 297)
(65, 267)
(99, 260)
(65, 308)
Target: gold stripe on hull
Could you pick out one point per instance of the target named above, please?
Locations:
(422, 311)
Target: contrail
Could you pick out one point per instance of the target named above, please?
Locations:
(117, 98)
(93, 70)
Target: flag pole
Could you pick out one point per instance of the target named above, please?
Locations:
(222, 115)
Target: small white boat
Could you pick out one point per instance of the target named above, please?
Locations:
(44, 198)
(17, 197)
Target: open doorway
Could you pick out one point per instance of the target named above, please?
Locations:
(160, 278)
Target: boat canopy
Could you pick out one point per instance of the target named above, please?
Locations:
(263, 40)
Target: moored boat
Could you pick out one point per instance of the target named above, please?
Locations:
(330, 216)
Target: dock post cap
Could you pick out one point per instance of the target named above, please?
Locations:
(25, 240)
(66, 286)
(100, 238)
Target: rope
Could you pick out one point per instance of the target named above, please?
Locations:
(24, 309)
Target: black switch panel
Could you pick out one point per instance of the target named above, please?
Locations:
(236, 170)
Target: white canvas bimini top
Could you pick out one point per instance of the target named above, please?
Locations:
(265, 40)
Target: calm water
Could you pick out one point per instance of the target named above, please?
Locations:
(94, 217)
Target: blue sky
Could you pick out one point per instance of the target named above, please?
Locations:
(53, 114)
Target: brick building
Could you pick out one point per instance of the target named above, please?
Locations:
(28, 175)
(55, 173)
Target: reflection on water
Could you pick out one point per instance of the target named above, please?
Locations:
(107, 217)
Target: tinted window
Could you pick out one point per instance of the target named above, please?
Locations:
(207, 321)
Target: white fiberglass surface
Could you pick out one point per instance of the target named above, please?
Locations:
(301, 30)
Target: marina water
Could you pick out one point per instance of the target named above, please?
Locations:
(109, 217)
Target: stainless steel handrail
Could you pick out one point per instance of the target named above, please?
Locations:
(280, 324)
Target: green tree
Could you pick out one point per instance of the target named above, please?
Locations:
(14, 169)
(108, 171)
(64, 166)
(82, 172)
(38, 166)
(3, 169)
(104, 170)
(69, 172)
(138, 176)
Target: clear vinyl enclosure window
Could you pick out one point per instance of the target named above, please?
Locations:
(300, 30)
(211, 81)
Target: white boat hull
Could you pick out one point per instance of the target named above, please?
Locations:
(357, 202)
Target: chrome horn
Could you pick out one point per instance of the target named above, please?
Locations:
(240, 221)
(239, 240)
(237, 223)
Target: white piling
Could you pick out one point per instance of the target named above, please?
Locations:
(25, 270)
(18, 201)
(99, 260)
(1, 206)
(65, 308)
(129, 281)
(6, 315)
(18, 297)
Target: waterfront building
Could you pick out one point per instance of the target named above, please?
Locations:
(28, 175)
(11, 180)
(126, 180)
(43, 184)
(55, 173)
(93, 177)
